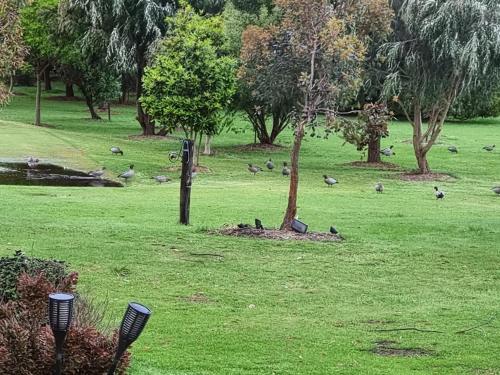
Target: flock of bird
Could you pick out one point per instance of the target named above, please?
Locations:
(254, 169)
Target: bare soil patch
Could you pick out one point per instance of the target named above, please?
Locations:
(389, 348)
(275, 234)
(198, 297)
(418, 177)
(382, 165)
(259, 147)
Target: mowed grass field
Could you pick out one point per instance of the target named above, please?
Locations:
(270, 307)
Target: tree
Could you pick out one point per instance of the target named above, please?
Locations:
(190, 82)
(321, 56)
(441, 49)
(11, 45)
(483, 101)
(366, 133)
(38, 24)
(133, 30)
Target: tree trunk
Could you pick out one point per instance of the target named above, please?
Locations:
(423, 165)
(47, 81)
(374, 150)
(38, 99)
(291, 210)
(70, 93)
(148, 126)
(91, 108)
(208, 144)
(418, 147)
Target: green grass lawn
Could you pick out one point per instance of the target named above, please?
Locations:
(270, 307)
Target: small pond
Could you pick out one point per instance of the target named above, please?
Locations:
(48, 175)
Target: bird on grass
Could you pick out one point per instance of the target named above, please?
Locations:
(388, 151)
(254, 169)
(496, 190)
(453, 149)
(439, 194)
(285, 171)
(489, 148)
(161, 179)
(98, 173)
(270, 165)
(329, 180)
(32, 162)
(116, 150)
(127, 175)
(379, 188)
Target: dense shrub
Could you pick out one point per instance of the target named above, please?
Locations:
(27, 343)
(12, 267)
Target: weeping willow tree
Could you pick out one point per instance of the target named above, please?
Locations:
(132, 30)
(442, 49)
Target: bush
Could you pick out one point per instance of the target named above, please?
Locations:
(27, 342)
(12, 267)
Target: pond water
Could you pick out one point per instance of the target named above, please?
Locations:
(48, 175)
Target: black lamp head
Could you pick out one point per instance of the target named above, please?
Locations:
(60, 311)
(134, 321)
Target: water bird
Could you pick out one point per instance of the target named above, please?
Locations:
(453, 149)
(489, 148)
(254, 169)
(379, 188)
(285, 171)
(270, 165)
(32, 162)
(116, 150)
(496, 190)
(329, 180)
(98, 173)
(388, 151)
(439, 194)
(127, 175)
(161, 179)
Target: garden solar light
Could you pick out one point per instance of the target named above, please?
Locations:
(133, 323)
(60, 315)
(299, 226)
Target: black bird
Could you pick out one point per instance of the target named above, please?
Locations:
(270, 165)
(258, 224)
(333, 230)
(439, 194)
(285, 171)
(453, 149)
(489, 148)
(243, 226)
(116, 150)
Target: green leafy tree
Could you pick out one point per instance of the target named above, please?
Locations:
(11, 45)
(483, 101)
(190, 82)
(441, 49)
(37, 19)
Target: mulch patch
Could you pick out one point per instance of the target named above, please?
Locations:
(275, 234)
(382, 165)
(259, 147)
(419, 177)
(387, 348)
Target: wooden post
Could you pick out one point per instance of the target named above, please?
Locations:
(187, 169)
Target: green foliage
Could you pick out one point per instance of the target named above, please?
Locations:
(189, 82)
(39, 26)
(254, 6)
(12, 267)
(481, 102)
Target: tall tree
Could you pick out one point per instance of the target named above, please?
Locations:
(38, 24)
(190, 82)
(134, 29)
(442, 49)
(11, 45)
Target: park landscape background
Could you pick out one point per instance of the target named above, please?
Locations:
(263, 306)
